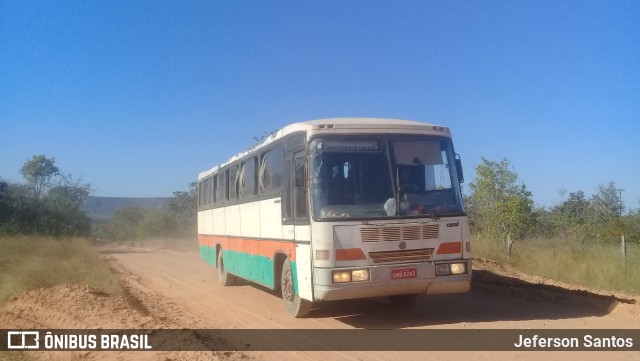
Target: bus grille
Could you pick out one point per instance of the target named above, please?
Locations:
(407, 255)
(400, 233)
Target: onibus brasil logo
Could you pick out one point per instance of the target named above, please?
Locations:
(34, 340)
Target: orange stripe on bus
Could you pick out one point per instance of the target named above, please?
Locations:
(450, 247)
(349, 254)
(253, 246)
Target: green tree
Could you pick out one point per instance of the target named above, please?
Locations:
(62, 213)
(499, 207)
(605, 204)
(594, 219)
(124, 223)
(39, 172)
(605, 210)
(156, 224)
(5, 210)
(545, 223)
(631, 226)
(21, 213)
(50, 203)
(184, 209)
(571, 215)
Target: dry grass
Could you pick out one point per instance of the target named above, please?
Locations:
(599, 266)
(28, 262)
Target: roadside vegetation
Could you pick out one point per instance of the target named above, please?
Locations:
(578, 241)
(48, 203)
(31, 261)
(132, 224)
(42, 230)
(599, 266)
(47, 239)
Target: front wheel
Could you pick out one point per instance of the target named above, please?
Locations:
(296, 306)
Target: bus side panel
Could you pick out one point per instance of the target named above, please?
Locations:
(253, 259)
(219, 225)
(200, 223)
(205, 226)
(271, 218)
(466, 237)
(250, 220)
(303, 282)
(207, 218)
(232, 218)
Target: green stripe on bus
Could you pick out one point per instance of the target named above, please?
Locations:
(256, 268)
(208, 254)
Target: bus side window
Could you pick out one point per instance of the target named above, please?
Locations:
(263, 176)
(205, 192)
(214, 189)
(231, 183)
(209, 191)
(271, 169)
(250, 177)
(240, 182)
(220, 191)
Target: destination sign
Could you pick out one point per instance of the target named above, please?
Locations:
(351, 146)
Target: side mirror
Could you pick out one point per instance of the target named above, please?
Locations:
(459, 169)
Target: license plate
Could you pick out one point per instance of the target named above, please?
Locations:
(404, 273)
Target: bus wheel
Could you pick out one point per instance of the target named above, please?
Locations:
(296, 306)
(226, 279)
(403, 301)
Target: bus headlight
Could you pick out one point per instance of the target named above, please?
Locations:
(359, 275)
(458, 268)
(447, 269)
(341, 276)
(442, 269)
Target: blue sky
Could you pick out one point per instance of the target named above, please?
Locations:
(138, 97)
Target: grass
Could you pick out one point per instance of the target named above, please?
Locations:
(29, 262)
(599, 266)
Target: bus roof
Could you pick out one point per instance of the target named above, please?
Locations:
(344, 124)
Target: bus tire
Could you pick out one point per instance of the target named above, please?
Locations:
(296, 306)
(403, 301)
(226, 278)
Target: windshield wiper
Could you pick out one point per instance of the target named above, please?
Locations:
(434, 215)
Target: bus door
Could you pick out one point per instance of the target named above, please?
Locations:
(302, 228)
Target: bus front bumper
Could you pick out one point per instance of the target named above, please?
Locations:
(381, 282)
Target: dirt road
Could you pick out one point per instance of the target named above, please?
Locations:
(496, 302)
(175, 289)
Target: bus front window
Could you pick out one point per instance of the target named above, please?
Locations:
(361, 177)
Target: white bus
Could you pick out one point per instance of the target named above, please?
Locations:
(337, 209)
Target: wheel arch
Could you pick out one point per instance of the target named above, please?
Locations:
(218, 250)
(279, 258)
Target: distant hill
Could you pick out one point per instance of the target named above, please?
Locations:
(102, 208)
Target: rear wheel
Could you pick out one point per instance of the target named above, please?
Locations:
(226, 279)
(403, 301)
(296, 306)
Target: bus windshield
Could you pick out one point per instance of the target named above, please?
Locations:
(383, 177)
